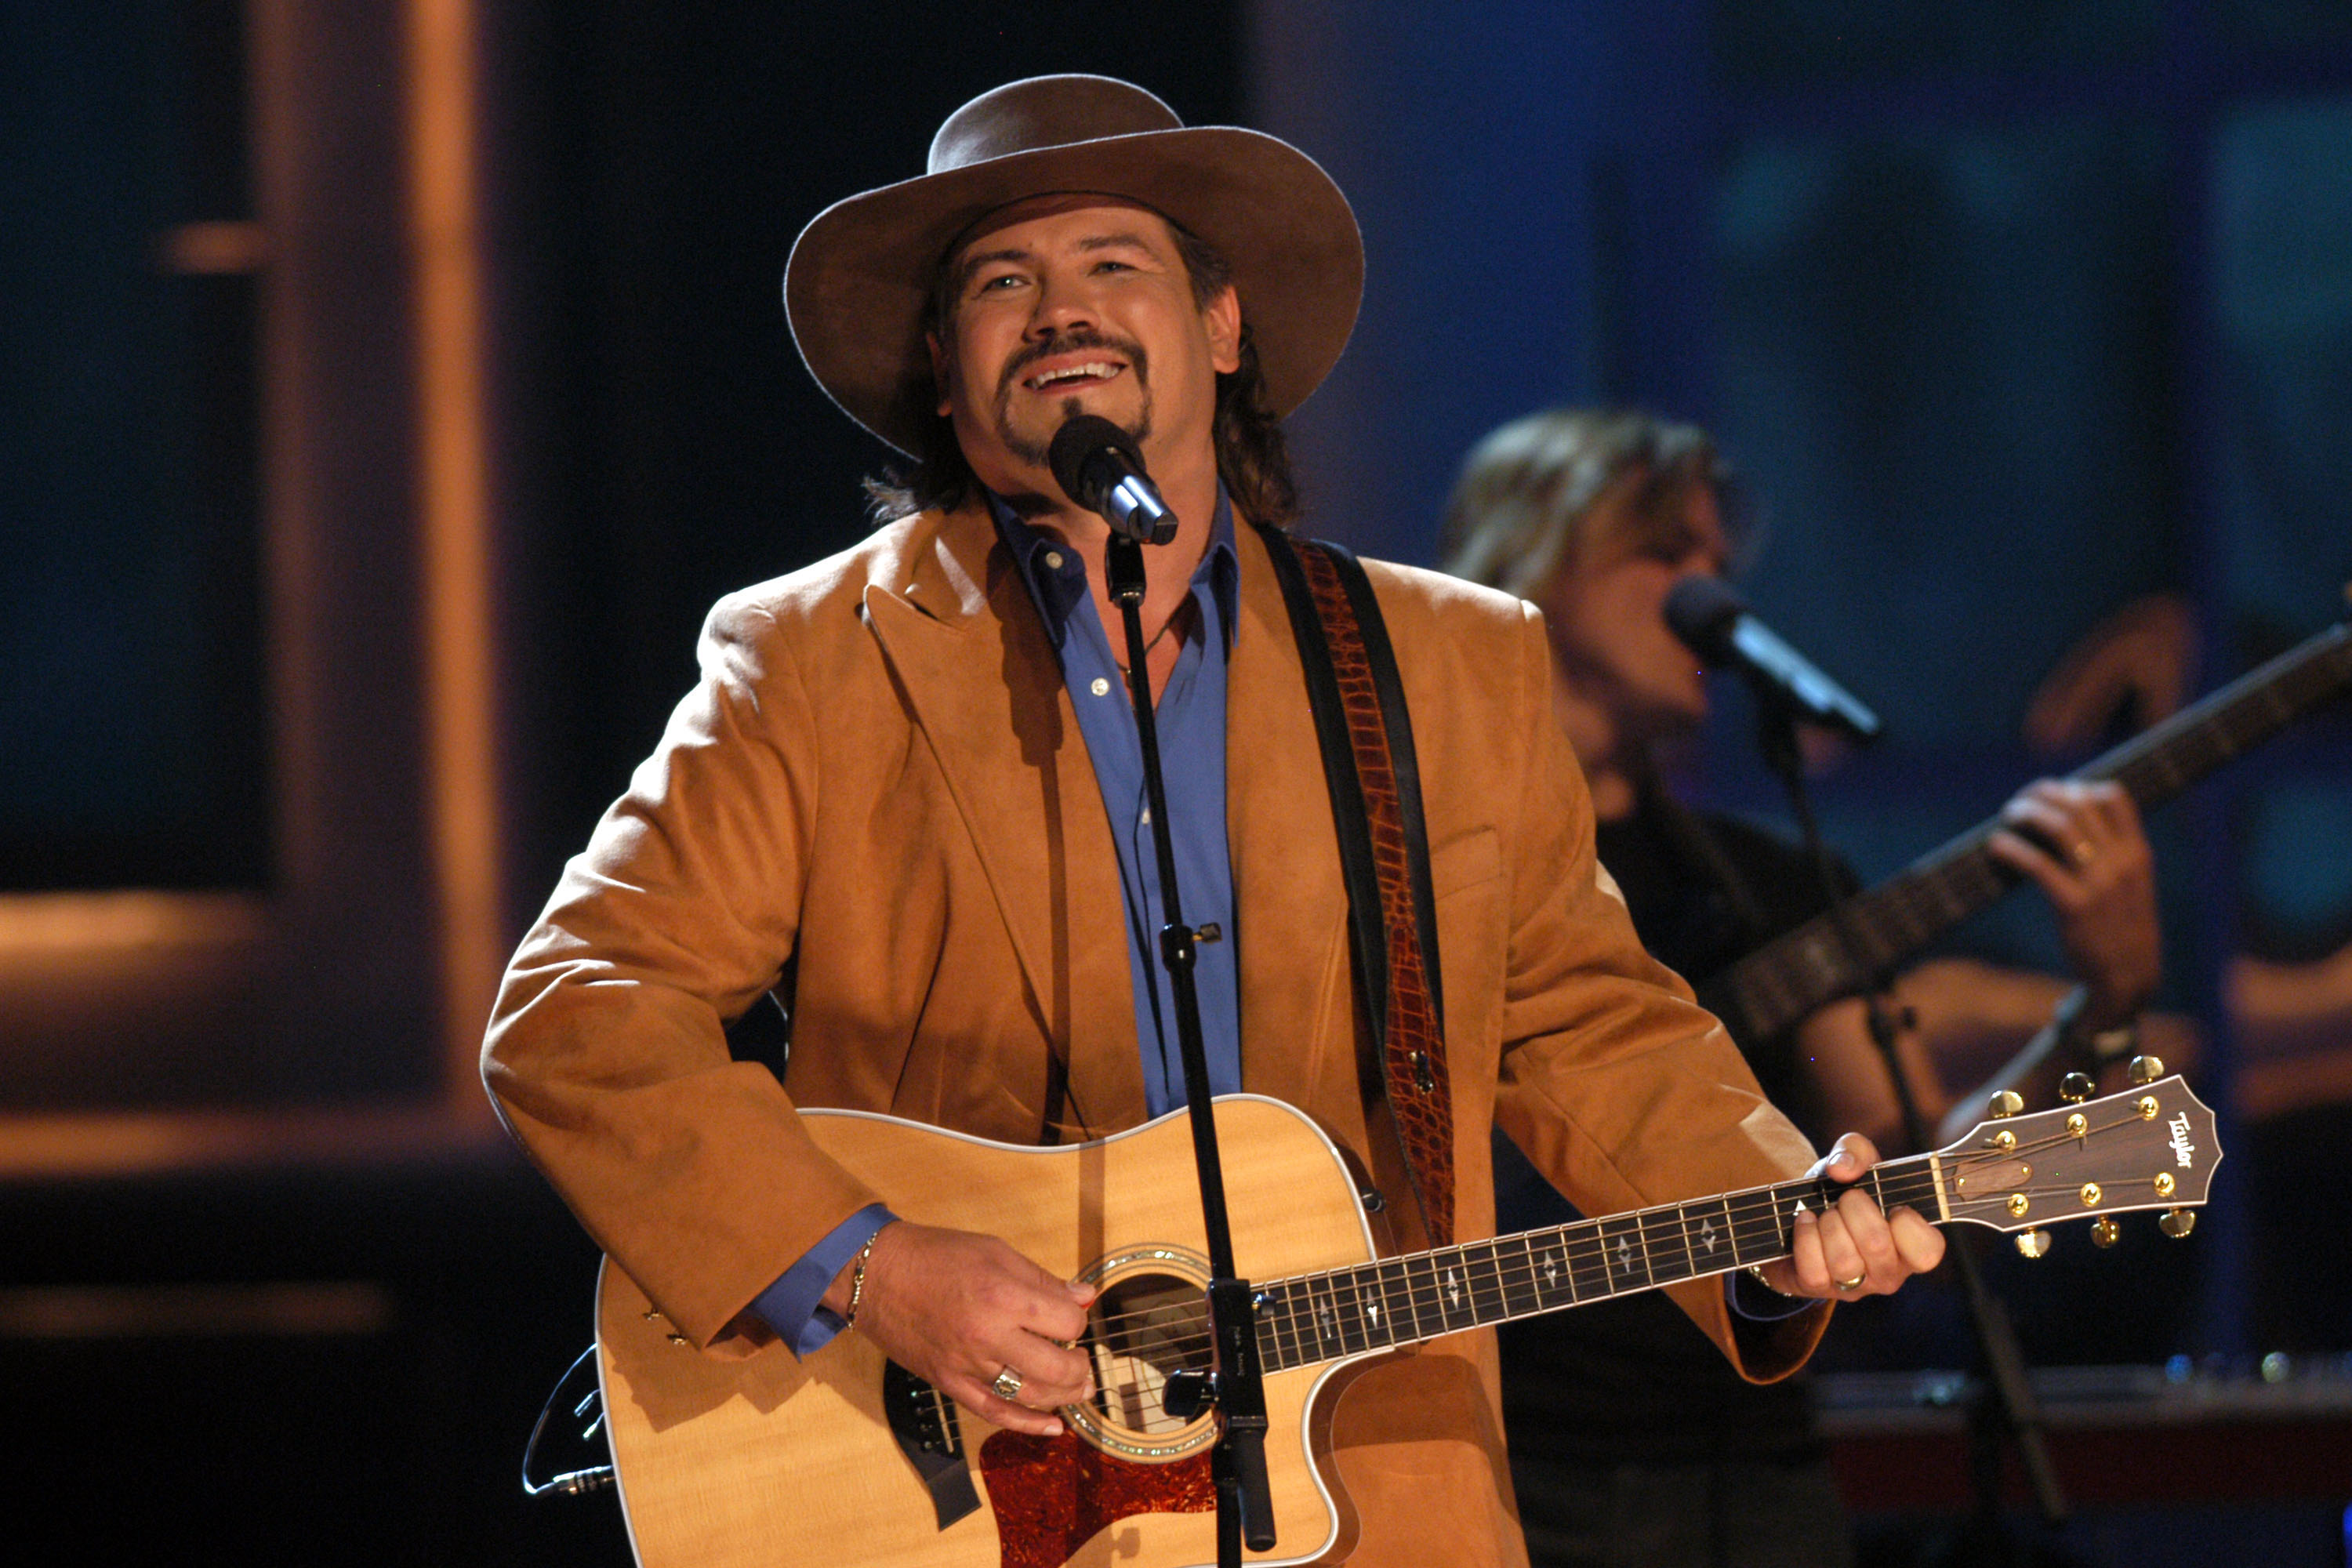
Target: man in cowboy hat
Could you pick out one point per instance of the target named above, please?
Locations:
(905, 797)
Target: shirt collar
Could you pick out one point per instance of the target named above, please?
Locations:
(1056, 576)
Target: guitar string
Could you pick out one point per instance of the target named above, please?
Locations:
(2217, 734)
(1510, 1269)
(1744, 1209)
(1503, 1279)
(2210, 733)
(1513, 1277)
(1750, 1206)
(1427, 1289)
(1308, 1327)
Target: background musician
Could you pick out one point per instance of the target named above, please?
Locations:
(1629, 1444)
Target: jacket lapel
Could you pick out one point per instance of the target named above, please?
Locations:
(964, 639)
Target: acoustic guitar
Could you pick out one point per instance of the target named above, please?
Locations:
(845, 1458)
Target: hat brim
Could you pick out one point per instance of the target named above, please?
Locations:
(860, 274)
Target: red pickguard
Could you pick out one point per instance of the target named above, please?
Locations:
(1051, 1496)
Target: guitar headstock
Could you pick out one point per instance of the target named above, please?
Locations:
(2150, 1148)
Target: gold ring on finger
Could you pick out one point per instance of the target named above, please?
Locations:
(1854, 1284)
(1007, 1383)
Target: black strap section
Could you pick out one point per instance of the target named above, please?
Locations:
(1403, 763)
(1356, 869)
(1360, 871)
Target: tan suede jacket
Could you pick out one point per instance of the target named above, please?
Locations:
(880, 779)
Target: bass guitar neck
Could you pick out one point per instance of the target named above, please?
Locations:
(1805, 968)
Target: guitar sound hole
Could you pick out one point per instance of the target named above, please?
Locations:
(1140, 1329)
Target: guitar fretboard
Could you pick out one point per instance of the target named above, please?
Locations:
(1311, 1318)
(1816, 964)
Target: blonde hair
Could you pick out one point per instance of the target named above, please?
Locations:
(1528, 505)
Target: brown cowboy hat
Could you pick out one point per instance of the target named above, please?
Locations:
(861, 272)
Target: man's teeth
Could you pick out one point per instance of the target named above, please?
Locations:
(1068, 373)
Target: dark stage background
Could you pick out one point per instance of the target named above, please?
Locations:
(359, 517)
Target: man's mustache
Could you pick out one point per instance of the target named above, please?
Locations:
(1064, 343)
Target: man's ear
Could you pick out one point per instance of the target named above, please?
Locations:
(1223, 318)
(938, 368)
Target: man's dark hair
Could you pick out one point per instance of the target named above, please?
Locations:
(1253, 459)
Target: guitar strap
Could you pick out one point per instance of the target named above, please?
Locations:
(1368, 764)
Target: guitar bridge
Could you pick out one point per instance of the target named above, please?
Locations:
(923, 1422)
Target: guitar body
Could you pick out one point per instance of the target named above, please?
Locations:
(846, 1459)
(771, 1459)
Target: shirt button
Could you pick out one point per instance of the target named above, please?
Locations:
(1101, 687)
(1147, 818)
(1054, 560)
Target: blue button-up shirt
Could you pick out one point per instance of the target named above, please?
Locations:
(1190, 716)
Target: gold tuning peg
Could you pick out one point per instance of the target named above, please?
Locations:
(2007, 1103)
(2177, 1223)
(2104, 1231)
(2033, 1243)
(2076, 1087)
(2146, 1071)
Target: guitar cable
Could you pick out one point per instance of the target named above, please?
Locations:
(588, 1406)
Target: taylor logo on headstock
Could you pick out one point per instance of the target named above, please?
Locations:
(2184, 1153)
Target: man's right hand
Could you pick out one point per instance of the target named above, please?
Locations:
(958, 1308)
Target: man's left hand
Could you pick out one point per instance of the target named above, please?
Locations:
(1854, 1249)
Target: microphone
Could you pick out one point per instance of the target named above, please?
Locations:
(1098, 465)
(1714, 621)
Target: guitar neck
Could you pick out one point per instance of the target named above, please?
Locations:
(1313, 1318)
(1827, 958)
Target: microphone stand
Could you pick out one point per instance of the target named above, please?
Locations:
(2006, 1404)
(1236, 1388)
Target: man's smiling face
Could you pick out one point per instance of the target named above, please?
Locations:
(1076, 304)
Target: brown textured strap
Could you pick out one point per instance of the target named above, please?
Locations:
(1375, 783)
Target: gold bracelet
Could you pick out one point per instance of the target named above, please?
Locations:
(858, 1276)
